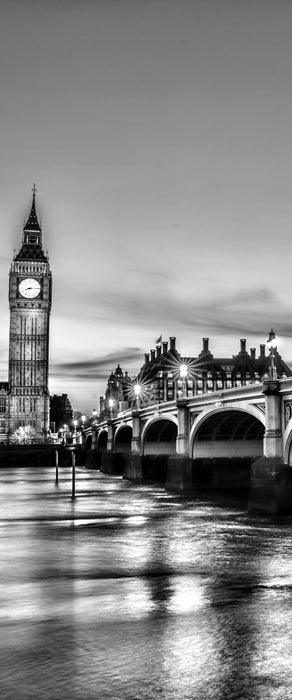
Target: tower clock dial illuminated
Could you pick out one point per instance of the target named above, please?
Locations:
(29, 288)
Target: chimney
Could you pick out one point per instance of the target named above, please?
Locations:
(253, 353)
(242, 345)
(262, 351)
(172, 340)
(146, 357)
(206, 344)
(152, 355)
(158, 350)
(164, 346)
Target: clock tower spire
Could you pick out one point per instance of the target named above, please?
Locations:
(30, 292)
(32, 236)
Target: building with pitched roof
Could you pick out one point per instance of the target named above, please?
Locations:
(160, 375)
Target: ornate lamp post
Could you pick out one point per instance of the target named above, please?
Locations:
(272, 346)
(111, 403)
(75, 423)
(183, 371)
(137, 392)
(64, 433)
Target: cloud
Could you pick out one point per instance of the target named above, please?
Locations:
(247, 312)
(244, 312)
(154, 274)
(97, 368)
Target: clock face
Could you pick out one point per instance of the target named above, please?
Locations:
(29, 288)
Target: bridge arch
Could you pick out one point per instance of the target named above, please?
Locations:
(123, 438)
(287, 443)
(88, 442)
(228, 432)
(101, 440)
(159, 435)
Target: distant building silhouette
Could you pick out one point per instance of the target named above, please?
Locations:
(61, 412)
(118, 389)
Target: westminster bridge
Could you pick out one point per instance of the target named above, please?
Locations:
(236, 438)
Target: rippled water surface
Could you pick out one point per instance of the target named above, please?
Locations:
(130, 593)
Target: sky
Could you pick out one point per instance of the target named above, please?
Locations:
(158, 134)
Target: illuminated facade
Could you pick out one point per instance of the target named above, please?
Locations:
(205, 373)
(160, 379)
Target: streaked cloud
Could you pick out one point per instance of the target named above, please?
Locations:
(250, 312)
(98, 368)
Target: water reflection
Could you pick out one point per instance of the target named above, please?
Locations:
(136, 594)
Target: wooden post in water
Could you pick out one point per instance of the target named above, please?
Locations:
(57, 465)
(73, 474)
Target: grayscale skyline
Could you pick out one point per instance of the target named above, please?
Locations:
(158, 134)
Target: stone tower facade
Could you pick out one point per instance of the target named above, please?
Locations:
(30, 296)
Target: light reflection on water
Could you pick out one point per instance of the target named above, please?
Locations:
(130, 593)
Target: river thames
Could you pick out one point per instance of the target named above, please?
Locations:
(132, 593)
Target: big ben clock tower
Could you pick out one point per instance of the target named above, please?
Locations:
(30, 294)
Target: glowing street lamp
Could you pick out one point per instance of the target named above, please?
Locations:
(64, 432)
(75, 423)
(83, 419)
(137, 392)
(111, 403)
(272, 346)
(183, 371)
(94, 414)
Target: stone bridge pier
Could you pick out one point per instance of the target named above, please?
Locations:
(271, 478)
